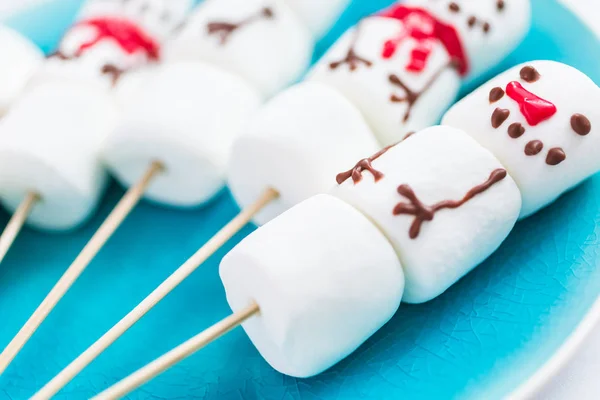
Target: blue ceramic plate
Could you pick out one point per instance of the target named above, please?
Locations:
(484, 337)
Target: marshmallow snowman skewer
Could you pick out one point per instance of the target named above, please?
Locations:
(310, 130)
(55, 181)
(312, 127)
(186, 113)
(314, 283)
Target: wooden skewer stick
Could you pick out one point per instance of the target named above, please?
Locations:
(215, 243)
(16, 222)
(178, 354)
(108, 227)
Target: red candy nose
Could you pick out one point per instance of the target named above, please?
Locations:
(534, 108)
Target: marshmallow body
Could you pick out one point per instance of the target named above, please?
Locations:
(325, 280)
(296, 144)
(113, 37)
(261, 40)
(416, 202)
(318, 15)
(394, 100)
(541, 120)
(488, 30)
(186, 116)
(48, 144)
(20, 60)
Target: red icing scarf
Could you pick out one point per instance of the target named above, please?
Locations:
(422, 26)
(129, 36)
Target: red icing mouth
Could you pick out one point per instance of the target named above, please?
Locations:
(129, 36)
(534, 108)
(425, 29)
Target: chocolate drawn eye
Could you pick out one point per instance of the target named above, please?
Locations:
(500, 4)
(486, 27)
(529, 74)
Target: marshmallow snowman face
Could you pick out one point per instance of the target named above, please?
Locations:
(541, 120)
(398, 91)
(112, 37)
(262, 41)
(488, 29)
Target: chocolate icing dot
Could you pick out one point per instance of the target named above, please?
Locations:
(529, 74)
(534, 147)
(486, 27)
(472, 21)
(500, 5)
(496, 94)
(454, 7)
(516, 130)
(580, 124)
(499, 116)
(555, 156)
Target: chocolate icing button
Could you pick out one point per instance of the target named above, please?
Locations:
(499, 116)
(534, 147)
(555, 156)
(516, 130)
(581, 124)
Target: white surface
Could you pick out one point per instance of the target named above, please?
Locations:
(573, 372)
(187, 116)
(271, 52)
(369, 88)
(49, 143)
(325, 279)
(21, 59)
(571, 92)
(438, 163)
(297, 144)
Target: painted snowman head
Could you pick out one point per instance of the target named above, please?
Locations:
(542, 121)
(488, 29)
(159, 18)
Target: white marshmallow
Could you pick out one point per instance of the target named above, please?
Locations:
(325, 280)
(260, 40)
(507, 25)
(187, 116)
(20, 60)
(112, 37)
(571, 92)
(296, 144)
(438, 164)
(158, 18)
(49, 144)
(369, 87)
(318, 15)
